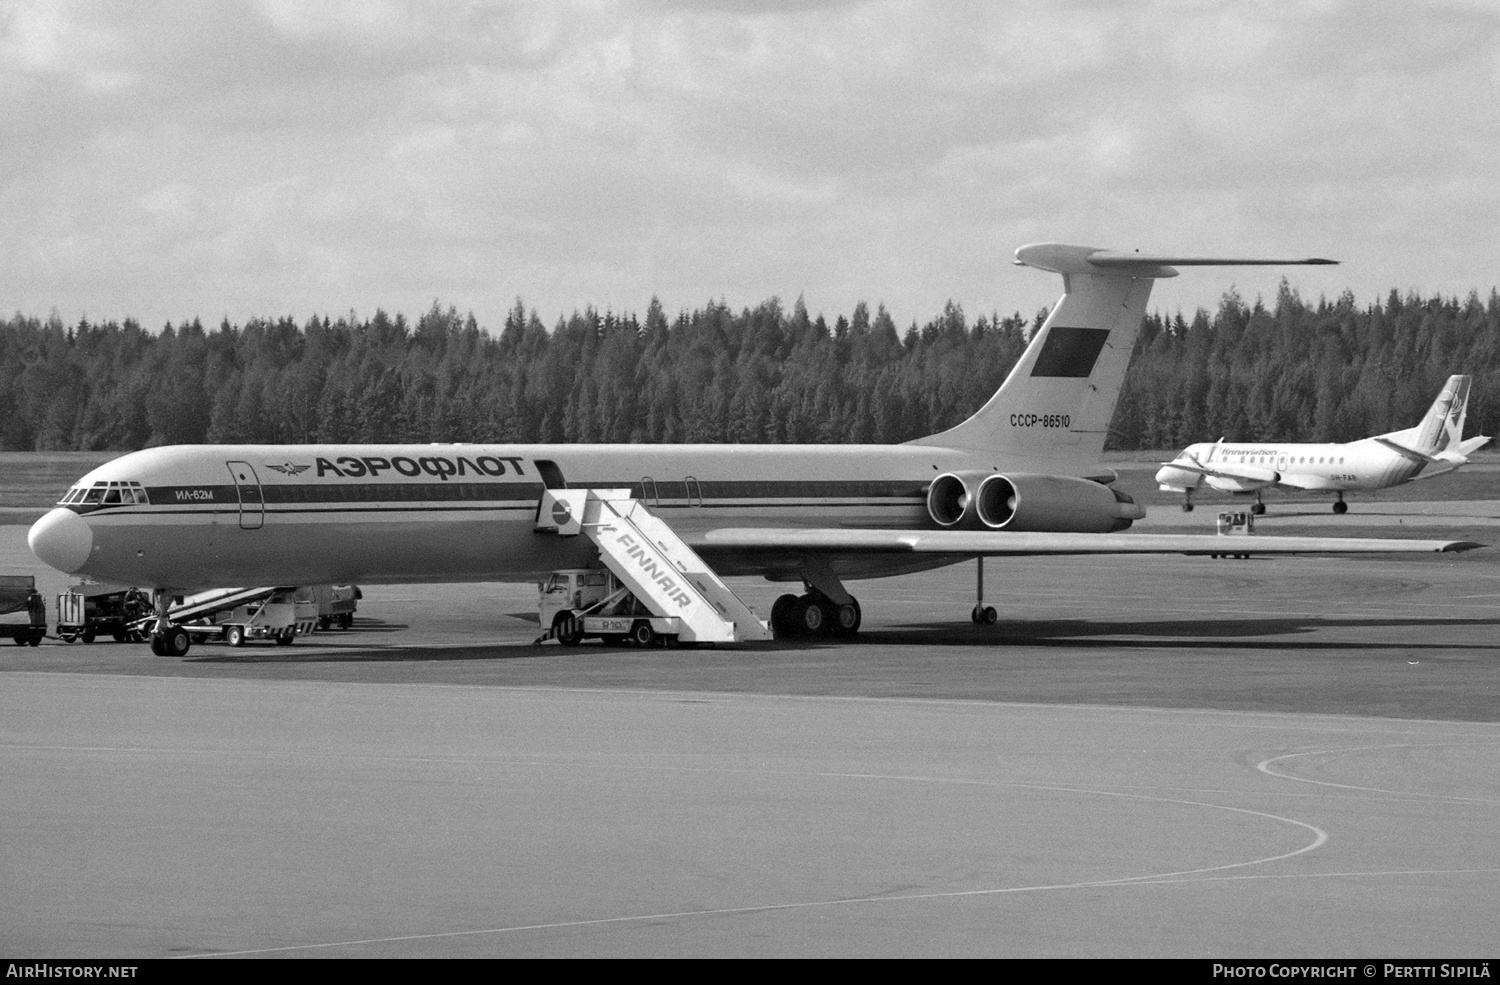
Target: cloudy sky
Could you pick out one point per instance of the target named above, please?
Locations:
(165, 159)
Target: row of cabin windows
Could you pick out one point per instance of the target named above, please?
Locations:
(1303, 460)
(106, 494)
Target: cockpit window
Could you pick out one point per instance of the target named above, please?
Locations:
(106, 494)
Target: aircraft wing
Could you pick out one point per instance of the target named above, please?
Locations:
(792, 542)
(1244, 473)
(1410, 453)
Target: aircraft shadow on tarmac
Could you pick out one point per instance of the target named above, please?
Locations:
(1270, 634)
(1241, 634)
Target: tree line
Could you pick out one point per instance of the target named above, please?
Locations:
(1288, 371)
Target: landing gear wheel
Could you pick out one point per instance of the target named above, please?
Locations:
(984, 615)
(809, 616)
(173, 643)
(781, 615)
(1258, 509)
(1341, 507)
(234, 635)
(846, 617)
(1187, 507)
(641, 634)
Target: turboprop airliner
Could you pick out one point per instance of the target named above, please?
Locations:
(1020, 477)
(1432, 448)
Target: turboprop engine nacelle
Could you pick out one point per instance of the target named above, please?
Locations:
(1038, 503)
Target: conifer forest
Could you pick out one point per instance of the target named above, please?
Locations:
(1282, 369)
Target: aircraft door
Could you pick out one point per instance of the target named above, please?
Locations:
(252, 502)
(1281, 463)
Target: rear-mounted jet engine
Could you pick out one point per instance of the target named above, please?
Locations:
(1050, 503)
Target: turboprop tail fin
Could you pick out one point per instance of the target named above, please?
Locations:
(1058, 400)
(1442, 429)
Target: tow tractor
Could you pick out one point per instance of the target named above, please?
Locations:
(18, 595)
(590, 603)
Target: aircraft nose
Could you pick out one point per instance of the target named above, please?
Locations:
(62, 539)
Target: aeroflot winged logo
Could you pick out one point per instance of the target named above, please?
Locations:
(289, 468)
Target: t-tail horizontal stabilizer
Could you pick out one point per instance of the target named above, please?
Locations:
(1063, 259)
(1053, 410)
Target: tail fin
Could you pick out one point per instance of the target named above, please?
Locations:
(1443, 426)
(1058, 400)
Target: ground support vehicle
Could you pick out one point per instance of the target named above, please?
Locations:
(646, 572)
(86, 617)
(275, 618)
(336, 604)
(590, 603)
(233, 615)
(26, 609)
(1235, 523)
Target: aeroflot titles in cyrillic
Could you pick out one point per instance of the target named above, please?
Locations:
(411, 467)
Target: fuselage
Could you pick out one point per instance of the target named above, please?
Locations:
(193, 516)
(1364, 464)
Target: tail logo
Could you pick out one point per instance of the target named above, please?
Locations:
(1070, 352)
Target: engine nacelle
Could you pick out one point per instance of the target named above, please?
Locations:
(1052, 503)
(950, 499)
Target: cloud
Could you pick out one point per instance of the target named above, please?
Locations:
(169, 159)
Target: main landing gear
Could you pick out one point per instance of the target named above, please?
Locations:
(824, 609)
(1340, 507)
(1259, 508)
(814, 614)
(1187, 501)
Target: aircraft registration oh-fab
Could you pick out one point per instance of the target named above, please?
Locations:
(1431, 448)
(1020, 477)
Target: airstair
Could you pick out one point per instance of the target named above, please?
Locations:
(666, 575)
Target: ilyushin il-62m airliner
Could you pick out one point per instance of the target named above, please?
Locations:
(1020, 477)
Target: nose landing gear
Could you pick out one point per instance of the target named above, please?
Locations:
(167, 640)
